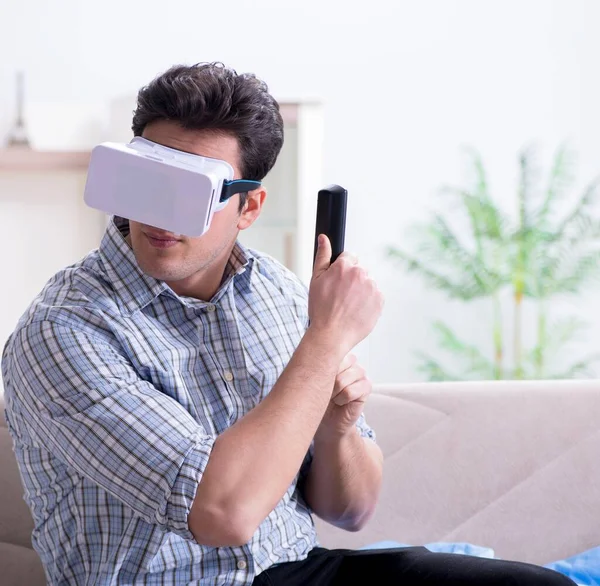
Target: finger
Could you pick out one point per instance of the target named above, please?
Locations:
(348, 362)
(323, 256)
(359, 391)
(349, 377)
(347, 257)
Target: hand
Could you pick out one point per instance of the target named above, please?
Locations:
(350, 393)
(344, 304)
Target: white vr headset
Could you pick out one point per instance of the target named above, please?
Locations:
(159, 186)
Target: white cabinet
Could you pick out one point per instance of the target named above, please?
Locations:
(285, 229)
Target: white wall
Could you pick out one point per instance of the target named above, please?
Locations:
(405, 84)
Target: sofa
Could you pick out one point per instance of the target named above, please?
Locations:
(513, 466)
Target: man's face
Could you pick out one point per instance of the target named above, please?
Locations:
(172, 257)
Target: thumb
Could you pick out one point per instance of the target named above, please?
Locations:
(323, 256)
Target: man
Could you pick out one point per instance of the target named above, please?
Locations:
(180, 407)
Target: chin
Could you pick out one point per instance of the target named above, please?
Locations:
(160, 270)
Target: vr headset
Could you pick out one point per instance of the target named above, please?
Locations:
(160, 186)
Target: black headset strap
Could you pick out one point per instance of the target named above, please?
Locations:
(230, 188)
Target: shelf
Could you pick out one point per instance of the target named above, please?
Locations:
(19, 159)
(22, 159)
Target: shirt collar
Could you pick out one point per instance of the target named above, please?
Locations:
(134, 288)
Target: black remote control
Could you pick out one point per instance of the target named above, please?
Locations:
(331, 218)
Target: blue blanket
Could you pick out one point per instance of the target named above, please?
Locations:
(583, 568)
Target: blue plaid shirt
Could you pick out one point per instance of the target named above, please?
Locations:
(116, 389)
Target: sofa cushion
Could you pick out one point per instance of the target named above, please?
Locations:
(507, 465)
(20, 566)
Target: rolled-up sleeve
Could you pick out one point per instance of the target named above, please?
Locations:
(88, 406)
(364, 429)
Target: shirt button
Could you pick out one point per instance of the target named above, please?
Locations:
(242, 565)
(228, 376)
(210, 307)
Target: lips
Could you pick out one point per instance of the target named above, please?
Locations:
(161, 239)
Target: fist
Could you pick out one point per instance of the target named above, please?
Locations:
(344, 304)
(350, 393)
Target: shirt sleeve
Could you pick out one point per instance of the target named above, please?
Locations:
(87, 405)
(364, 429)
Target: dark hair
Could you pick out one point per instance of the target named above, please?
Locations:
(210, 96)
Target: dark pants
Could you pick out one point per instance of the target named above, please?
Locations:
(412, 566)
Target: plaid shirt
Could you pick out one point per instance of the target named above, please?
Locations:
(116, 389)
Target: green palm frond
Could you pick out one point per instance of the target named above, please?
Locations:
(440, 243)
(432, 369)
(580, 269)
(583, 229)
(464, 287)
(581, 209)
(481, 182)
(564, 331)
(523, 237)
(581, 368)
(565, 266)
(525, 192)
(478, 203)
(487, 220)
(561, 179)
(473, 359)
(560, 333)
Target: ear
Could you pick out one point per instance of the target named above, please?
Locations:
(252, 208)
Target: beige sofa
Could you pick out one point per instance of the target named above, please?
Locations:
(511, 466)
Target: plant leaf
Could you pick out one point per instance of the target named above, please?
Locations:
(476, 362)
(487, 220)
(559, 334)
(581, 209)
(574, 271)
(432, 369)
(561, 179)
(443, 245)
(582, 367)
(464, 290)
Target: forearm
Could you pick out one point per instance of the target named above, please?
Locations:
(344, 480)
(254, 462)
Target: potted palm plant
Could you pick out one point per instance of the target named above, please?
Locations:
(540, 253)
